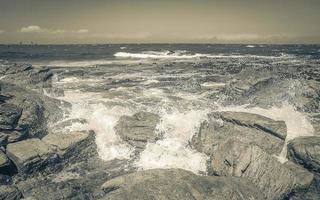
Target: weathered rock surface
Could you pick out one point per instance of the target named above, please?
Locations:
(138, 129)
(27, 76)
(10, 193)
(68, 145)
(25, 114)
(249, 128)
(30, 155)
(275, 180)
(305, 151)
(178, 184)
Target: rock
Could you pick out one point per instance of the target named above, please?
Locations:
(275, 180)
(305, 151)
(30, 155)
(27, 76)
(36, 111)
(138, 129)
(249, 128)
(71, 144)
(177, 184)
(275, 128)
(10, 193)
(9, 116)
(4, 163)
(5, 179)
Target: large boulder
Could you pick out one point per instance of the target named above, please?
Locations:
(305, 151)
(10, 193)
(178, 184)
(275, 180)
(138, 129)
(30, 155)
(246, 127)
(71, 144)
(9, 116)
(26, 113)
(27, 76)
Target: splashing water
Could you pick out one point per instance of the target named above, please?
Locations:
(173, 151)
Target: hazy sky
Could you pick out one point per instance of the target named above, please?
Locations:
(123, 21)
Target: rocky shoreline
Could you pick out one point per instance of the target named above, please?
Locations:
(38, 162)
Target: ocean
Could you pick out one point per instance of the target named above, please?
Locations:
(181, 83)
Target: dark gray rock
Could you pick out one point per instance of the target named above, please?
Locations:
(275, 180)
(30, 155)
(27, 76)
(305, 151)
(138, 129)
(249, 128)
(70, 144)
(10, 193)
(36, 112)
(9, 116)
(178, 184)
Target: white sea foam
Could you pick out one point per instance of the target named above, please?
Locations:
(173, 151)
(101, 120)
(187, 55)
(170, 153)
(250, 46)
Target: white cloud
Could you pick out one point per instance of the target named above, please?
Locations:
(32, 29)
(81, 31)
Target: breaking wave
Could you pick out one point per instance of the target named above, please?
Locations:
(186, 55)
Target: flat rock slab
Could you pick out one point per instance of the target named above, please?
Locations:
(273, 127)
(69, 144)
(138, 129)
(275, 180)
(30, 155)
(245, 127)
(8, 192)
(178, 184)
(305, 151)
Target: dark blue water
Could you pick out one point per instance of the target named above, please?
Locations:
(34, 53)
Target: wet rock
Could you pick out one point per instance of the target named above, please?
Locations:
(27, 76)
(249, 128)
(10, 193)
(71, 144)
(4, 162)
(275, 180)
(12, 136)
(305, 151)
(9, 116)
(36, 111)
(138, 129)
(177, 184)
(30, 155)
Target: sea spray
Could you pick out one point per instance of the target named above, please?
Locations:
(174, 151)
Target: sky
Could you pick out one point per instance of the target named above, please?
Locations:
(159, 21)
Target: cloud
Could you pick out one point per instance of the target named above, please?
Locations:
(1, 31)
(81, 31)
(32, 29)
(38, 29)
